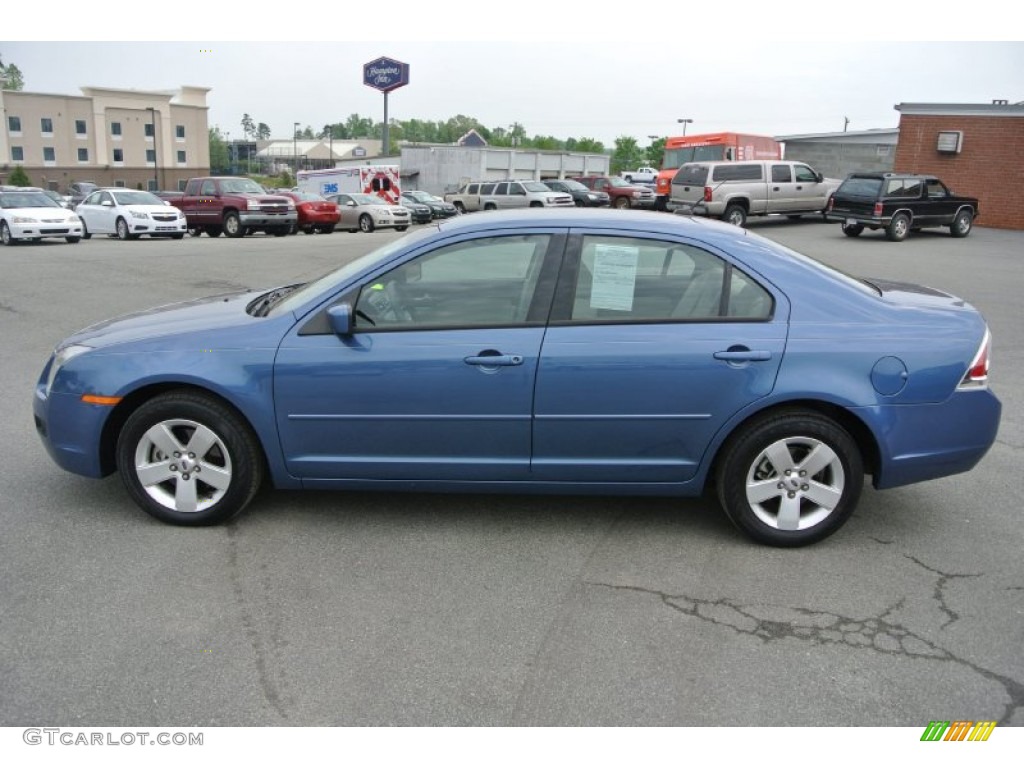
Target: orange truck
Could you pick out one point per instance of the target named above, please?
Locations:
(706, 147)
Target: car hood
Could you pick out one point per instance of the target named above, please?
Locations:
(197, 315)
(56, 213)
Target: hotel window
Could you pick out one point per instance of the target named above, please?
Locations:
(149, 130)
(179, 132)
(49, 156)
(80, 128)
(46, 126)
(151, 185)
(83, 155)
(14, 125)
(115, 129)
(17, 154)
(181, 156)
(118, 155)
(118, 182)
(150, 155)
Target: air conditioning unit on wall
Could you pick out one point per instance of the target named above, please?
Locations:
(950, 142)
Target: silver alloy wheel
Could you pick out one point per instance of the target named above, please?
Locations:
(122, 229)
(795, 483)
(183, 465)
(900, 227)
(962, 223)
(5, 233)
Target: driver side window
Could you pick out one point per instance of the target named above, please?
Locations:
(488, 282)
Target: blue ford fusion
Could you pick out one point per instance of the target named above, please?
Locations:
(547, 352)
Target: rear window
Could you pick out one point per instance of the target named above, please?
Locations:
(860, 188)
(743, 172)
(694, 175)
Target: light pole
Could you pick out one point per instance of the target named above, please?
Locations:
(295, 149)
(685, 121)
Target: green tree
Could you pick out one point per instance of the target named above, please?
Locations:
(627, 154)
(219, 160)
(516, 133)
(19, 178)
(263, 131)
(592, 146)
(12, 77)
(656, 152)
(248, 126)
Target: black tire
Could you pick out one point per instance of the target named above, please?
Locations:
(621, 202)
(490, 207)
(460, 207)
(213, 231)
(5, 234)
(233, 225)
(962, 224)
(230, 455)
(580, 203)
(899, 228)
(327, 230)
(366, 223)
(536, 204)
(400, 229)
(279, 231)
(72, 240)
(195, 231)
(85, 231)
(121, 229)
(178, 236)
(308, 230)
(815, 504)
(735, 215)
(853, 230)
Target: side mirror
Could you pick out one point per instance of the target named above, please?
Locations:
(107, 204)
(339, 317)
(819, 177)
(351, 203)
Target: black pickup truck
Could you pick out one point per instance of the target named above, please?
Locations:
(900, 203)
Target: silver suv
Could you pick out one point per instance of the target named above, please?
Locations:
(734, 190)
(494, 195)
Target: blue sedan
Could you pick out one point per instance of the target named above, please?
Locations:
(537, 351)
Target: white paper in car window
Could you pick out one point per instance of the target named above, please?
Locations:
(614, 277)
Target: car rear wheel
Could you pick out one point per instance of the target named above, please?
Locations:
(735, 215)
(899, 227)
(961, 226)
(187, 459)
(233, 225)
(5, 234)
(327, 230)
(195, 231)
(790, 479)
(213, 231)
(853, 230)
(366, 223)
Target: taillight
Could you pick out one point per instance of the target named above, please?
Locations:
(977, 374)
(707, 194)
(878, 209)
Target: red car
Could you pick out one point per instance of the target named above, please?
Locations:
(315, 213)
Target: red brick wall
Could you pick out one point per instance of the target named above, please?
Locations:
(989, 167)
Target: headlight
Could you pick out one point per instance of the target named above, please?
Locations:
(74, 219)
(252, 205)
(592, 196)
(637, 193)
(60, 357)
(291, 206)
(138, 214)
(22, 220)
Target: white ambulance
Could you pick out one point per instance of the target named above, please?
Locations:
(380, 180)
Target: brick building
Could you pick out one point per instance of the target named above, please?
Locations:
(976, 149)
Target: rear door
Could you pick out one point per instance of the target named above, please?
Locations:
(653, 345)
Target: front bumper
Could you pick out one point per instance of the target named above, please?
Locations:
(70, 429)
(258, 219)
(45, 229)
(153, 227)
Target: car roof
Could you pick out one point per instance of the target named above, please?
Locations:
(890, 175)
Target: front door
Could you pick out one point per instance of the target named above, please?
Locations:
(436, 382)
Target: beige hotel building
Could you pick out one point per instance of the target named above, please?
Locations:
(113, 137)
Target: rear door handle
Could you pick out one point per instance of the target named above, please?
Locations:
(743, 355)
(489, 361)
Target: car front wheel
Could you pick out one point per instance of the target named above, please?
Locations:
(961, 226)
(121, 227)
(233, 225)
(790, 479)
(366, 223)
(188, 459)
(5, 234)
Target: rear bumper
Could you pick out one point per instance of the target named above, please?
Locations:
(924, 442)
(871, 222)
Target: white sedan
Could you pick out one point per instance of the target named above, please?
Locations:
(128, 214)
(366, 212)
(31, 215)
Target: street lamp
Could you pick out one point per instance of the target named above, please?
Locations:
(295, 148)
(685, 121)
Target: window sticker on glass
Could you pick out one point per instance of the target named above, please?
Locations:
(614, 277)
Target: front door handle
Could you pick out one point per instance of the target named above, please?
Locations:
(743, 355)
(490, 359)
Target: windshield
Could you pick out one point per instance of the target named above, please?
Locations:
(364, 199)
(26, 200)
(676, 157)
(572, 185)
(242, 186)
(338, 276)
(309, 196)
(618, 182)
(136, 197)
(536, 186)
(424, 197)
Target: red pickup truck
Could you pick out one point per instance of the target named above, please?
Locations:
(233, 205)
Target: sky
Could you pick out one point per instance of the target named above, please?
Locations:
(559, 69)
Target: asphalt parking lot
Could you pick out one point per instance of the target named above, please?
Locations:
(362, 609)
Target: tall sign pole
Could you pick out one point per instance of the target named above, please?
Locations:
(386, 75)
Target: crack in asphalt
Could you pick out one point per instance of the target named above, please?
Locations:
(878, 634)
(1010, 445)
(940, 585)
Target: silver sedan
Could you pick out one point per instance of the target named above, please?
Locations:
(366, 212)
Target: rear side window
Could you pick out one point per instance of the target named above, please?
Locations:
(860, 188)
(487, 189)
(742, 172)
(903, 188)
(695, 175)
(781, 173)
